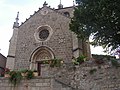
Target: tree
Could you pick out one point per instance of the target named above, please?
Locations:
(117, 52)
(99, 18)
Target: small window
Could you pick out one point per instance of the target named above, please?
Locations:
(43, 34)
(67, 14)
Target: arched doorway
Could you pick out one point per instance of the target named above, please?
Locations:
(40, 55)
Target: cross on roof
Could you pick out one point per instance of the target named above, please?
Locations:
(45, 3)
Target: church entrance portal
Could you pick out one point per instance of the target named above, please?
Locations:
(38, 58)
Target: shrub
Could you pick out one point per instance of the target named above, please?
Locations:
(15, 77)
(79, 60)
(29, 74)
(55, 63)
(23, 70)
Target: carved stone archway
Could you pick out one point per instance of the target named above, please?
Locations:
(38, 56)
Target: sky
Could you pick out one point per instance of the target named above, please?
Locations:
(8, 13)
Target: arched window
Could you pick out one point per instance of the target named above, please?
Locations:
(67, 14)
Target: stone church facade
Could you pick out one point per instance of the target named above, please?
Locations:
(44, 36)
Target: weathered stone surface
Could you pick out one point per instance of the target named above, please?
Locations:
(69, 78)
(104, 78)
(61, 41)
(25, 50)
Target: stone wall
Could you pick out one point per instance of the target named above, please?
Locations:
(33, 84)
(87, 76)
(90, 76)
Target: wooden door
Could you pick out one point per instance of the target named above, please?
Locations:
(39, 68)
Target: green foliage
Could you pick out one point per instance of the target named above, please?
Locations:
(55, 63)
(46, 62)
(23, 70)
(77, 1)
(7, 70)
(79, 60)
(15, 77)
(100, 18)
(29, 74)
(75, 62)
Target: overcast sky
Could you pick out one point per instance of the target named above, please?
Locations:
(8, 13)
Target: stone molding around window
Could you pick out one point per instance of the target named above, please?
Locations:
(43, 33)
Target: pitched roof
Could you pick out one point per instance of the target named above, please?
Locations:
(64, 8)
(55, 10)
(1, 55)
(2, 61)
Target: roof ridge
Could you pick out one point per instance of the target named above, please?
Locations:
(56, 10)
(65, 7)
(30, 16)
(2, 55)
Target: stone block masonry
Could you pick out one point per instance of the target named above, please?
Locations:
(90, 77)
(33, 84)
(87, 76)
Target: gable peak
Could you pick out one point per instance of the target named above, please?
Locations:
(45, 4)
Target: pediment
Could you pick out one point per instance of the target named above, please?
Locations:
(44, 11)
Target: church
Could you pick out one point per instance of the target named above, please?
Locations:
(45, 35)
